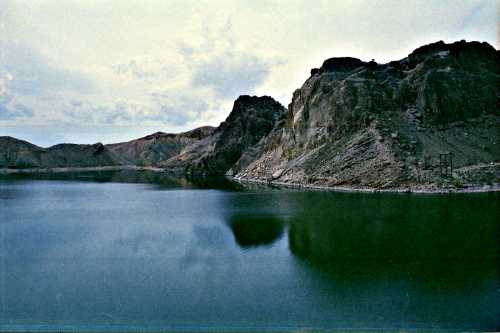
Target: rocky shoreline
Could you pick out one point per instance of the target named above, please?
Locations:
(419, 189)
(415, 189)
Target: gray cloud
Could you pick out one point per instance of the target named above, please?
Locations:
(119, 112)
(176, 111)
(181, 111)
(230, 75)
(220, 64)
(144, 67)
(10, 111)
(34, 74)
(89, 113)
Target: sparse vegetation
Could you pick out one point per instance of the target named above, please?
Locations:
(457, 182)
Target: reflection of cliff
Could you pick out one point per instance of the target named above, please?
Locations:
(439, 240)
(250, 231)
(162, 179)
(104, 176)
(397, 228)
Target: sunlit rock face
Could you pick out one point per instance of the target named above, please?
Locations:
(380, 125)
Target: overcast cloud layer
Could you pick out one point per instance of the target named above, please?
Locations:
(94, 70)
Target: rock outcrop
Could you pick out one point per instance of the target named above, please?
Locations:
(250, 121)
(365, 124)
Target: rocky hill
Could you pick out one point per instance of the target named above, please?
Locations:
(146, 151)
(157, 147)
(432, 118)
(375, 125)
(250, 121)
(18, 154)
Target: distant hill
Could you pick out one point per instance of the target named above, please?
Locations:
(157, 147)
(146, 151)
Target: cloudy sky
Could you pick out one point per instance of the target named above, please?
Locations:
(112, 70)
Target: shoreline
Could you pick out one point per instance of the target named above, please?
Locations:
(353, 189)
(4, 171)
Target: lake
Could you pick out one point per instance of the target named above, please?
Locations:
(124, 251)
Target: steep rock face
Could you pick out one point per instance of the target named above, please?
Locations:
(157, 147)
(250, 121)
(381, 125)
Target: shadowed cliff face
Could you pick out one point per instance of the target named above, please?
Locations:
(380, 125)
(250, 121)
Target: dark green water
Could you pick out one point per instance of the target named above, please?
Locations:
(130, 251)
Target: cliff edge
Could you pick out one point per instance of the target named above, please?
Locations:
(365, 124)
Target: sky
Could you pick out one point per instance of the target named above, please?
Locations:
(87, 71)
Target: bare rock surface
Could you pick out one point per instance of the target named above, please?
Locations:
(362, 124)
(251, 120)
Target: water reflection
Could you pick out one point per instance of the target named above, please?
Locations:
(359, 251)
(251, 231)
(420, 260)
(183, 257)
(161, 179)
(395, 228)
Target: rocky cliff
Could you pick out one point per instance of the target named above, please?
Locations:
(365, 124)
(251, 120)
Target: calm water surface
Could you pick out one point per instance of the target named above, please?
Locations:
(127, 251)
